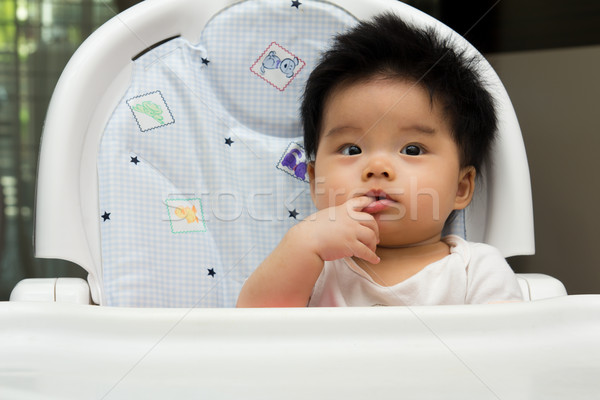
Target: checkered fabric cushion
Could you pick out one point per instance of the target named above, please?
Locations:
(201, 166)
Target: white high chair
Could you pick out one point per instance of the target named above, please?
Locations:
(545, 349)
(104, 83)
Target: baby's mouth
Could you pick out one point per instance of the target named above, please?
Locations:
(380, 201)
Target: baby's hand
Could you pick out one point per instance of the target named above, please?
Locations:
(343, 231)
(287, 276)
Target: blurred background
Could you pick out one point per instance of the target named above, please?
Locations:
(547, 53)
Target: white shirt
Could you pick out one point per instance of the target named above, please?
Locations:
(473, 273)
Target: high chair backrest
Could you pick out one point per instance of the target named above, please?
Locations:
(170, 174)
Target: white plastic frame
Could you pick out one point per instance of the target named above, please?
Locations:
(67, 211)
(539, 350)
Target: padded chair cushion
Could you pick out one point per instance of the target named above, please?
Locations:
(201, 167)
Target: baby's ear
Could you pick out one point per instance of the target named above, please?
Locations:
(310, 168)
(466, 187)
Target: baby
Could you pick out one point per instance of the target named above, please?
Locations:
(397, 123)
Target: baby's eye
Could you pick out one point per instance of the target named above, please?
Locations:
(412, 150)
(351, 150)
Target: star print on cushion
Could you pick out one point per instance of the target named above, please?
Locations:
(205, 61)
(134, 160)
(296, 4)
(211, 272)
(228, 141)
(105, 216)
(293, 213)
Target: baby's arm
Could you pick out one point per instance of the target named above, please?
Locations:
(287, 276)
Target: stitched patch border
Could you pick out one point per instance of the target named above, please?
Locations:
(185, 215)
(293, 162)
(150, 111)
(277, 66)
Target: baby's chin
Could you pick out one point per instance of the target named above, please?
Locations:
(395, 239)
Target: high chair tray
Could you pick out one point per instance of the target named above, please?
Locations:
(547, 349)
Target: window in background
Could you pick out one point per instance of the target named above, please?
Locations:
(37, 38)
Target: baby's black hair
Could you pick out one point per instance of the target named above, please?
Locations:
(388, 47)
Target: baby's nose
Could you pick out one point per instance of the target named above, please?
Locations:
(379, 167)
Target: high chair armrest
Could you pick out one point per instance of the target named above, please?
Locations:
(52, 290)
(540, 286)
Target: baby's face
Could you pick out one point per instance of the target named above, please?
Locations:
(384, 139)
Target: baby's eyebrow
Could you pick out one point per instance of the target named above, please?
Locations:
(335, 130)
(419, 128)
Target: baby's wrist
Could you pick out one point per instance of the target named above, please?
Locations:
(304, 242)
